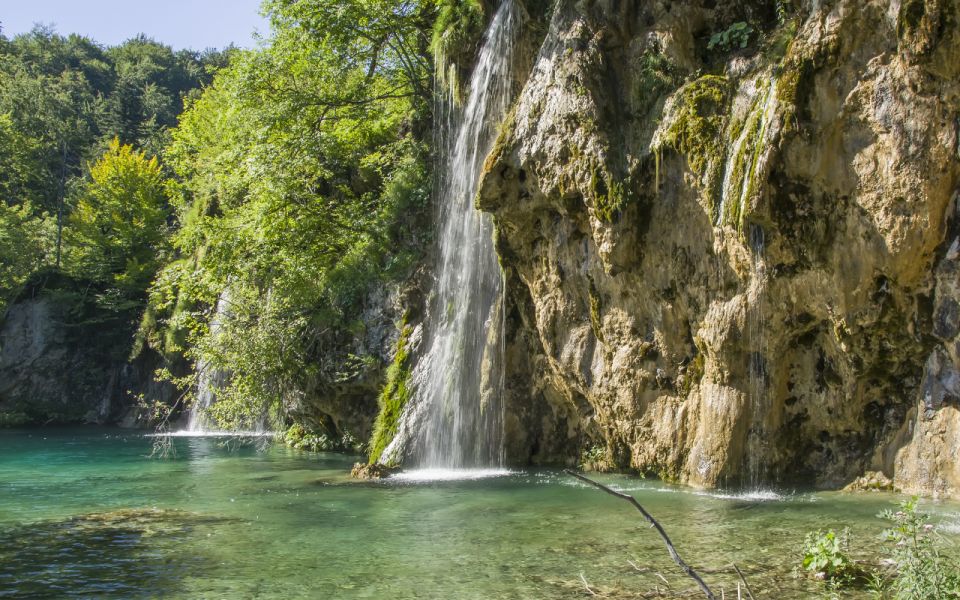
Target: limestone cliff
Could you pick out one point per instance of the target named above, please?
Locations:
(730, 239)
(65, 360)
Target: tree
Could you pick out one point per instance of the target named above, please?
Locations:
(118, 228)
(25, 242)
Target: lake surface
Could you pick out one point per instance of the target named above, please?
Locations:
(87, 512)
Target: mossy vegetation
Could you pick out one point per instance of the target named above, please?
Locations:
(696, 127)
(456, 34)
(610, 194)
(394, 396)
(596, 306)
(693, 374)
(747, 139)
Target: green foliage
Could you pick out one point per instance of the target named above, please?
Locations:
(62, 101)
(300, 438)
(9, 419)
(301, 186)
(921, 569)
(736, 36)
(596, 458)
(656, 76)
(825, 555)
(25, 244)
(118, 228)
(393, 397)
(915, 568)
(456, 35)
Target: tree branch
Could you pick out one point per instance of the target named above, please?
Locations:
(653, 523)
(744, 580)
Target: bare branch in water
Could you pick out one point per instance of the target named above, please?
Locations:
(653, 523)
(587, 585)
(744, 580)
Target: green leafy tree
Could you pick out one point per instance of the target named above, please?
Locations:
(118, 228)
(303, 181)
(25, 245)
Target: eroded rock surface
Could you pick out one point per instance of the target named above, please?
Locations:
(732, 266)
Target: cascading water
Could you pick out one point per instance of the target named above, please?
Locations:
(210, 379)
(757, 369)
(458, 380)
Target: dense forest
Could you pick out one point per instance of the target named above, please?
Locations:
(145, 188)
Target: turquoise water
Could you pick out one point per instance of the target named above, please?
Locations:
(86, 512)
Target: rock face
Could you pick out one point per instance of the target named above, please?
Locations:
(732, 266)
(54, 368)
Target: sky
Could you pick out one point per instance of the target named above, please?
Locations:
(194, 24)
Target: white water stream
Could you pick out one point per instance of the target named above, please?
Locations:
(458, 381)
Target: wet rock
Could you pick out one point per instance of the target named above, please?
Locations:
(781, 232)
(871, 481)
(374, 471)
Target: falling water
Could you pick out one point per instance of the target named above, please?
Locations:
(757, 368)
(209, 378)
(458, 381)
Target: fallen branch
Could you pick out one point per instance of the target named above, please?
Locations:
(744, 580)
(587, 585)
(653, 523)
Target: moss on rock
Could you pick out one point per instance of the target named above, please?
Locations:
(695, 127)
(394, 396)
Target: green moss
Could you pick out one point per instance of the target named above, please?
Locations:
(611, 195)
(394, 396)
(456, 33)
(696, 129)
(596, 322)
(504, 139)
(693, 375)
(910, 17)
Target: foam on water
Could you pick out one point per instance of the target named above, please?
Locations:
(212, 434)
(427, 475)
(752, 495)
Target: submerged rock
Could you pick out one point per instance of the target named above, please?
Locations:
(373, 471)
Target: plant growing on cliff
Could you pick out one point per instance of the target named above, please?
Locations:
(736, 36)
(694, 127)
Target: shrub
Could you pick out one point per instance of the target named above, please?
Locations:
(921, 570)
(735, 36)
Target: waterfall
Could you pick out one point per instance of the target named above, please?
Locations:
(459, 379)
(209, 378)
(757, 446)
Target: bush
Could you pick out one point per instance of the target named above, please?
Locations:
(735, 36)
(921, 571)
